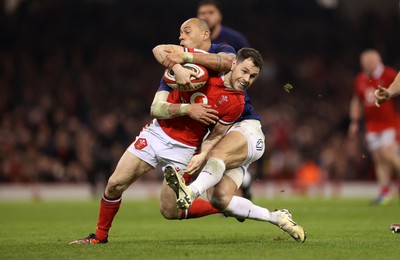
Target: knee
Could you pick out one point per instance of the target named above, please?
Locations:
(220, 201)
(115, 188)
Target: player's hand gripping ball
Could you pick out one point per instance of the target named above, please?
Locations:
(202, 76)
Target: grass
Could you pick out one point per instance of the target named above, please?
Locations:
(336, 228)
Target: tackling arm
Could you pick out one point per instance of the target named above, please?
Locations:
(170, 55)
(162, 50)
(221, 62)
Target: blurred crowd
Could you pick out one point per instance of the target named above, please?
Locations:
(77, 79)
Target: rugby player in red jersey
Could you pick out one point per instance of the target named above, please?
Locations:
(382, 95)
(381, 124)
(174, 140)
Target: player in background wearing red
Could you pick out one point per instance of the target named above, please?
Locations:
(382, 95)
(381, 124)
(174, 137)
(243, 144)
(210, 11)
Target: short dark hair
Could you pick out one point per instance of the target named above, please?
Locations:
(253, 54)
(209, 2)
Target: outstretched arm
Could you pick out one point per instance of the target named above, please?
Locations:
(384, 94)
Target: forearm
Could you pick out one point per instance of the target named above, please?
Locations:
(162, 109)
(213, 138)
(218, 62)
(355, 110)
(394, 88)
(161, 51)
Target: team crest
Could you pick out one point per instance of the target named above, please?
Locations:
(222, 99)
(140, 143)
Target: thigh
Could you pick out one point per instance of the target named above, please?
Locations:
(232, 149)
(243, 144)
(252, 131)
(129, 169)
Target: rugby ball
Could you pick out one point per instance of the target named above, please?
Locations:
(201, 80)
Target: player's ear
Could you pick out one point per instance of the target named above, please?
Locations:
(233, 64)
(206, 34)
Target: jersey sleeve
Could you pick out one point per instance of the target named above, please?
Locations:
(193, 50)
(225, 48)
(163, 86)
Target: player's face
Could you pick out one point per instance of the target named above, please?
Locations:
(210, 14)
(243, 74)
(369, 62)
(191, 35)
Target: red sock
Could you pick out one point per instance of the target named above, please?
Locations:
(385, 190)
(108, 210)
(198, 209)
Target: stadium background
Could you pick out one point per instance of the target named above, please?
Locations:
(77, 79)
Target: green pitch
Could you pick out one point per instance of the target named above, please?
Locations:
(336, 229)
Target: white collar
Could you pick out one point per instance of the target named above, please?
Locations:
(377, 73)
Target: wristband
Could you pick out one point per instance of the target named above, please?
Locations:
(187, 57)
(183, 109)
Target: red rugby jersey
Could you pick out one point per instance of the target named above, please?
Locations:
(228, 103)
(377, 118)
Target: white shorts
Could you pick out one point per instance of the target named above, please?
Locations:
(155, 147)
(252, 130)
(377, 140)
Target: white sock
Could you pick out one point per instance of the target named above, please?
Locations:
(244, 208)
(208, 177)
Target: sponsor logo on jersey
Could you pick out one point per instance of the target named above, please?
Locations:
(198, 97)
